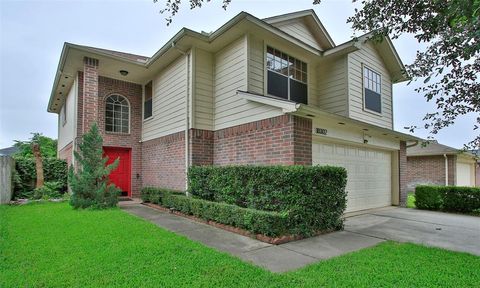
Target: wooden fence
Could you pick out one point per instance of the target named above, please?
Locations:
(6, 184)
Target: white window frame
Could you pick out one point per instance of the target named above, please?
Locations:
(265, 86)
(105, 114)
(366, 67)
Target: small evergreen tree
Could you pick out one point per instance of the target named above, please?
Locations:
(89, 184)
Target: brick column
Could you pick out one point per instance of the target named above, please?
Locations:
(90, 92)
(402, 162)
(302, 140)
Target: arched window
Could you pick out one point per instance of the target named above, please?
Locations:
(117, 114)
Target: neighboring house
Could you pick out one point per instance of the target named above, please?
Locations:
(271, 91)
(439, 164)
(9, 151)
(477, 166)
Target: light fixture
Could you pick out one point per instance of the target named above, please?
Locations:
(365, 129)
(123, 72)
(341, 123)
(310, 115)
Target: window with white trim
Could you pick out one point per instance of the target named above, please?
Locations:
(287, 76)
(147, 102)
(372, 83)
(117, 114)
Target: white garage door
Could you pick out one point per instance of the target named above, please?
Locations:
(369, 173)
(464, 172)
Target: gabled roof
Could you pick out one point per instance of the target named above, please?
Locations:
(142, 67)
(311, 19)
(128, 56)
(433, 148)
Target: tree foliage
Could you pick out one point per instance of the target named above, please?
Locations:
(90, 183)
(48, 146)
(450, 64)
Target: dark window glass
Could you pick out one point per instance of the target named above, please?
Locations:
(277, 85)
(373, 101)
(147, 104)
(298, 91)
(287, 76)
(373, 86)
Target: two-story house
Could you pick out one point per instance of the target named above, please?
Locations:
(255, 91)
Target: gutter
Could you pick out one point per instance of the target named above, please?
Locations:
(187, 113)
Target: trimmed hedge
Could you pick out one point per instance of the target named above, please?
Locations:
(54, 170)
(269, 223)
(448, 198)
(313, 196)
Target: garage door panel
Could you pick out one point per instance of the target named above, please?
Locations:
(368, 173)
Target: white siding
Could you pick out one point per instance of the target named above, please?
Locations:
(169, 96)
(203, 94)
(66, 131)
(332, 86)
(298, 29)
(256, 65)
(230, 76)
(368, 56)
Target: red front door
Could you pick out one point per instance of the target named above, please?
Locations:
(121, 176)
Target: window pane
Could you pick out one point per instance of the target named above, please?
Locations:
(373, 101)
(298, 92)
(277, 85)
(117, 114)
(147, 109)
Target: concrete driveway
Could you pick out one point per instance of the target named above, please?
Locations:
(444, 230)
(366, 229)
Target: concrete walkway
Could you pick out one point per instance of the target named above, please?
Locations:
(276, 258)
(455, 232)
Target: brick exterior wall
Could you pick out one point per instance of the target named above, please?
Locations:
(429, 170)
(402, 162)
(66, 153)
(201, 147)
(285, 139)
(133, 93)
(163, 162)
(92, 92)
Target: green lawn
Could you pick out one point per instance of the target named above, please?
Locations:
(50, 245)
(411, 200)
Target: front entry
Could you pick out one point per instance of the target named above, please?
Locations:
(121, 176)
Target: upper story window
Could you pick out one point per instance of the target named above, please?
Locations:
(147, 102)
(372, 83)
(117, 114)
(63, 114)
(287, 76)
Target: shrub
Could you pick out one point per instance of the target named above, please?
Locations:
(55, 170)
(461, 199)
(264, 222)
(448, 198)
(428, 197)
(313, 196)
(90, 184)
(48, 190)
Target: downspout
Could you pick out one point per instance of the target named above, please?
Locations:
(446, 169)
(187, 118)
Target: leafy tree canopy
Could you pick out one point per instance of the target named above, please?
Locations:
(449, 66)
(48, 146)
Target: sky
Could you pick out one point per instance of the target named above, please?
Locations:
(32, 34)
